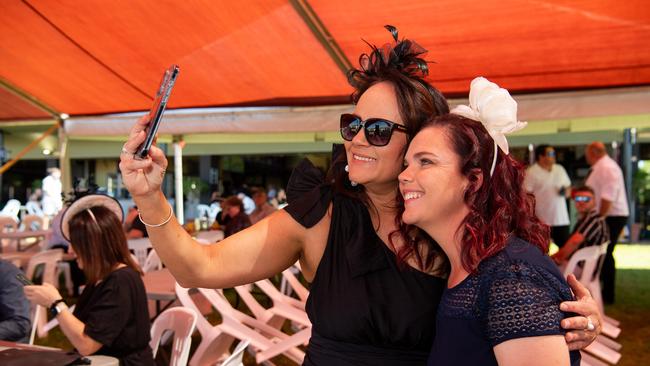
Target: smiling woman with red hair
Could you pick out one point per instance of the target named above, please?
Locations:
(502, 301)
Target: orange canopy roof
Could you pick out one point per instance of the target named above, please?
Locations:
(96, 57)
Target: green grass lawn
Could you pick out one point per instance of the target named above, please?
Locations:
(632, 308)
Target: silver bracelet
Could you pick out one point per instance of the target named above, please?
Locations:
(171, 213)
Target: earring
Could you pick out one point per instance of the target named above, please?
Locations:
(352, 183)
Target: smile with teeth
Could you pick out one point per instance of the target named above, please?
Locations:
(412, 196)
(362, 158)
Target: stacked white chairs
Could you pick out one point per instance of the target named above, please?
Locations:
(591, 258)
(266, 341)
(284, 307)
(291, 284)
(182, 321)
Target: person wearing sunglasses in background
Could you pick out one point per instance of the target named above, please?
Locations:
(550, 184)
(374, 288)
(590, 229)
(502, 301)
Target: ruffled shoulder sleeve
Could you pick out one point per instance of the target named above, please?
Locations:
(308, 194)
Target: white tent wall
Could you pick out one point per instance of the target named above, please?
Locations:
(572, 117)
(568, 118)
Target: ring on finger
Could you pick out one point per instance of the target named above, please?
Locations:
(590, 324)
(125, 151)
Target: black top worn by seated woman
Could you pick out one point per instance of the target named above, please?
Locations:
(365, 310)
(515, 294)
(116, 315)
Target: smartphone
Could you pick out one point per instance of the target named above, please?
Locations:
(157, 110)
(24, 280)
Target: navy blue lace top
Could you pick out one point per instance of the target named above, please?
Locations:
(515, 294)
(365, 310)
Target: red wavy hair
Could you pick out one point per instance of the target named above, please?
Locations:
(499, 205)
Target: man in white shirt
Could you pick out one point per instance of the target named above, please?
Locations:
(550, 185)
(52, 201)
(606, 178)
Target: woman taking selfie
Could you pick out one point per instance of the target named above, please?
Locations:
(502, 301)
(373, 294)
(111, 316)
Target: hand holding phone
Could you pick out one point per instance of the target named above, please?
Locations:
(24, 280)
(157, 110)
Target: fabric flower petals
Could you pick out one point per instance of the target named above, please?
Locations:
(494, 107)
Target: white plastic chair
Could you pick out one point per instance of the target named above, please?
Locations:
(34, 208)
(8, 225)
(49, 260)
(36, 313)
(290, 283)
(591, 258)
(182, 321)
(32, 223)
(284, 307)
(140, 248)
(237, 356)
(152, 263)
(267, 342)
(11, 209)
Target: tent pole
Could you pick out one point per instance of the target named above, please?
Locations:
(64, 161)
(629, 163)
(178, 177)
(321, 33)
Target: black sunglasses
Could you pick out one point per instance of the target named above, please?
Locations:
(378, 131)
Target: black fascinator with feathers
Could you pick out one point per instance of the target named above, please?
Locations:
(401, 63)
(401, 56)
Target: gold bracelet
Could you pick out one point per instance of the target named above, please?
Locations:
(171, 213)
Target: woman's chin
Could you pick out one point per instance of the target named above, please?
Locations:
(409, 218)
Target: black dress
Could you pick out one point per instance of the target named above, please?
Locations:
(365, 310)
(115, 314)
(515, 294)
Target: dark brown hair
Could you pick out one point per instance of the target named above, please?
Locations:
(234, 201)
(101, 244)
(400, 64)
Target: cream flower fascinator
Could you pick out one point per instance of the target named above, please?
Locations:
(495, 109)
